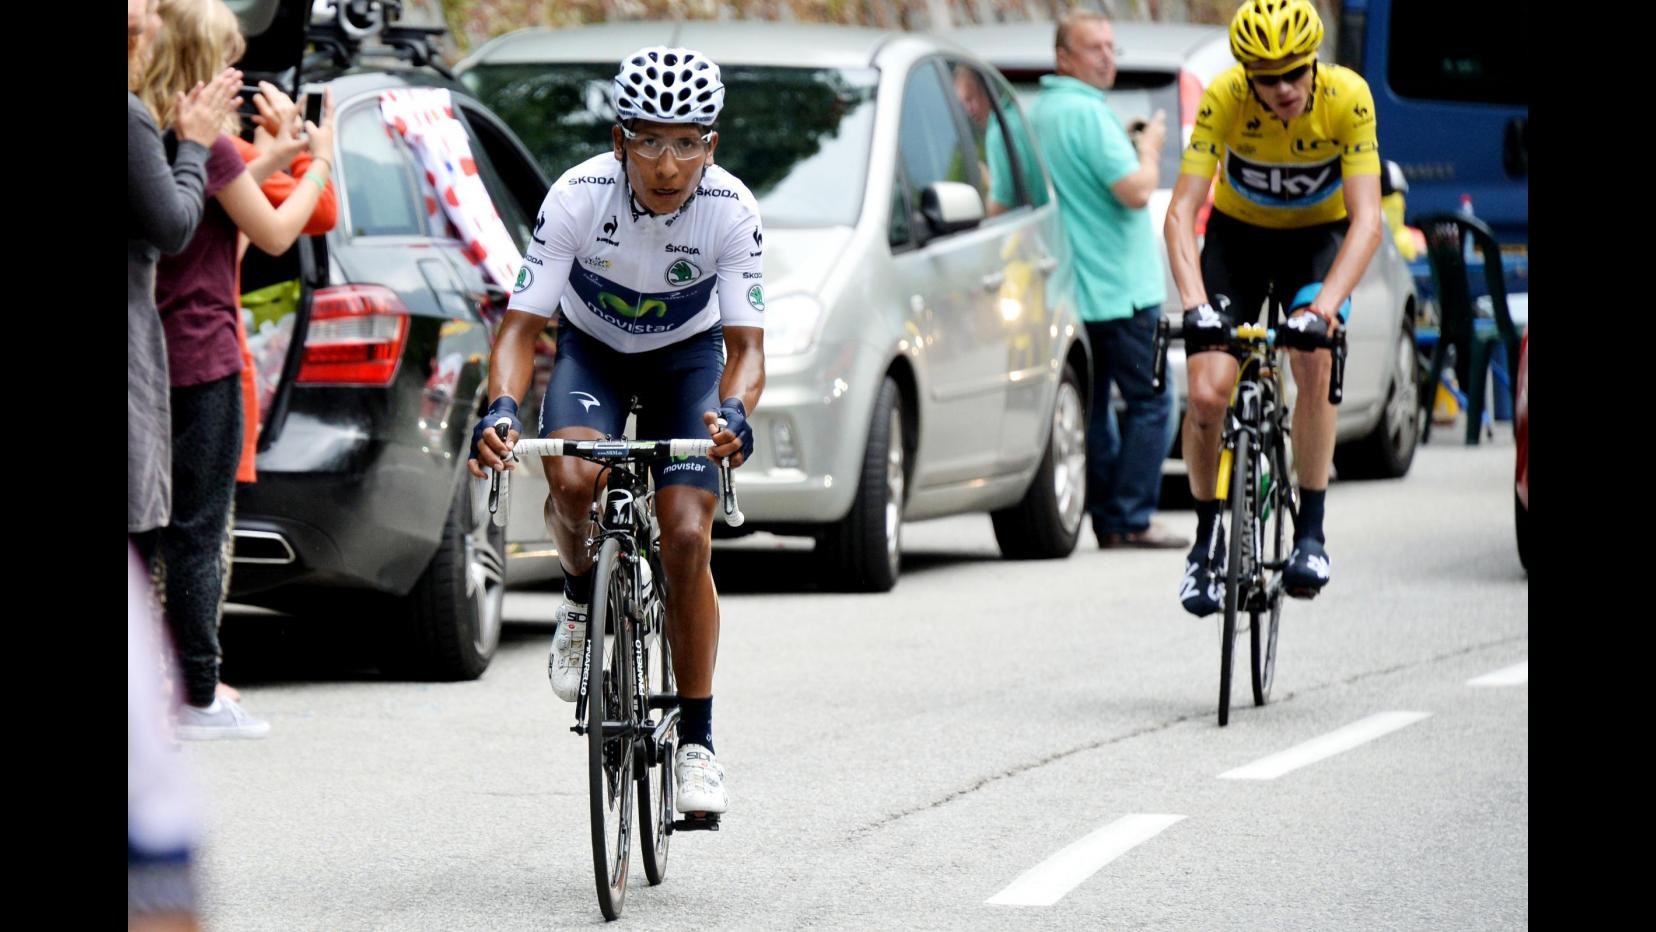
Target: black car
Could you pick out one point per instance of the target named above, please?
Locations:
(371, 346)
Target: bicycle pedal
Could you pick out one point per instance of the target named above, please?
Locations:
(697, 822)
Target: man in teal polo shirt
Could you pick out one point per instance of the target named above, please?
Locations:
(1104, 180)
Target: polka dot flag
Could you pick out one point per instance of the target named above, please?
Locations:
(457, 203)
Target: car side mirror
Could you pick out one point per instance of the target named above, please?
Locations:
(950, 206)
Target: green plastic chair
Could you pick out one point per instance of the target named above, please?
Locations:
(1476, 341)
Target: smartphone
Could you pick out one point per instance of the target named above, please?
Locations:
(313, 104)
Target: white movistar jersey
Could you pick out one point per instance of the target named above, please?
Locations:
(637, 282)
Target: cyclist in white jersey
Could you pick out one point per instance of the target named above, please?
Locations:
(653, 256)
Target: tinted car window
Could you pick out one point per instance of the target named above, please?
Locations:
(504, 203)
(381, 193)
(797, 137)
(931, 147)
(1466, 51)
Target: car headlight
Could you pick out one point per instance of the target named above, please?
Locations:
(791, 324)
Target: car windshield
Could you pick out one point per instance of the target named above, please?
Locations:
(1137, 95)
(797, 137)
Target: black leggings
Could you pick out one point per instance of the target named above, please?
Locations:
(207, 444)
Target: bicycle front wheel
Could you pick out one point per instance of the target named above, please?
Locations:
(610, 740)
(1262, 633)
(1237, 572)
(655, 769)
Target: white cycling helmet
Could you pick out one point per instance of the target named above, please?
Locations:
(668, 86)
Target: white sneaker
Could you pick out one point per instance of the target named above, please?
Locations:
(700, 780)
(563, 664)
(224, 719)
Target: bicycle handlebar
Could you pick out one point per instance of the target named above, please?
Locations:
(611, 450)
(1246, 336)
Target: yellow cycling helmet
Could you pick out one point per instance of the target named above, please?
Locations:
(1266, 30)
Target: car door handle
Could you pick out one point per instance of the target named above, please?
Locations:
(993, 281)
(1047, 265)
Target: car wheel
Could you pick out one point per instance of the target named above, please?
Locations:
(863, 552)
(450, 623)
(1046, 524)
(1388, 450)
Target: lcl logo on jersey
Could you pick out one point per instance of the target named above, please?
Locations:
(1313, 146)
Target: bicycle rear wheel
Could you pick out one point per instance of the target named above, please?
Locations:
(610, 749)
(655, 770)
(1237, 572)
(1262, 634)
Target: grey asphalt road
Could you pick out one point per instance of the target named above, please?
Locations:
(898, 760)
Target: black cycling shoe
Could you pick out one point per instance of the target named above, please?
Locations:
(1202, 591)
(1307, 569)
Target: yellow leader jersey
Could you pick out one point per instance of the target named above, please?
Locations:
(1284, 176)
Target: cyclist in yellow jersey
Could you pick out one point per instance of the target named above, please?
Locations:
(1297, 218)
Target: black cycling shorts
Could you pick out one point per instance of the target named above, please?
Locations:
(593, 386)
(1243, 264)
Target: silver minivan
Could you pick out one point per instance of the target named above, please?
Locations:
(923, 357)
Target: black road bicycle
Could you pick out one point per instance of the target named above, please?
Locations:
(1257, 481)
(627, 706)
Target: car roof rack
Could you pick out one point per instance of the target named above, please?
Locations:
(345, 39)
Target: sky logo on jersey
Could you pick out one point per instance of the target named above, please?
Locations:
(682, 272)
(1273, 185)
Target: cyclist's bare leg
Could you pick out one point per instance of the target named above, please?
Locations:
(1314, 417)
(686, 516)
(1211, 375)
(569, 504)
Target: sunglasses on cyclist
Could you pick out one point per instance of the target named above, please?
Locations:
(1271, 80)
(684, 148)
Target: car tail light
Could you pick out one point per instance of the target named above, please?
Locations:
(356, 336)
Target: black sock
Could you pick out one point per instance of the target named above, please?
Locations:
(1206, 514)
(695, 725)
(578, 589)
(1310, 515)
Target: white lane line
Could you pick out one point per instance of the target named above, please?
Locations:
(1515, 675)
(1047, 882)
(1343, 739)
